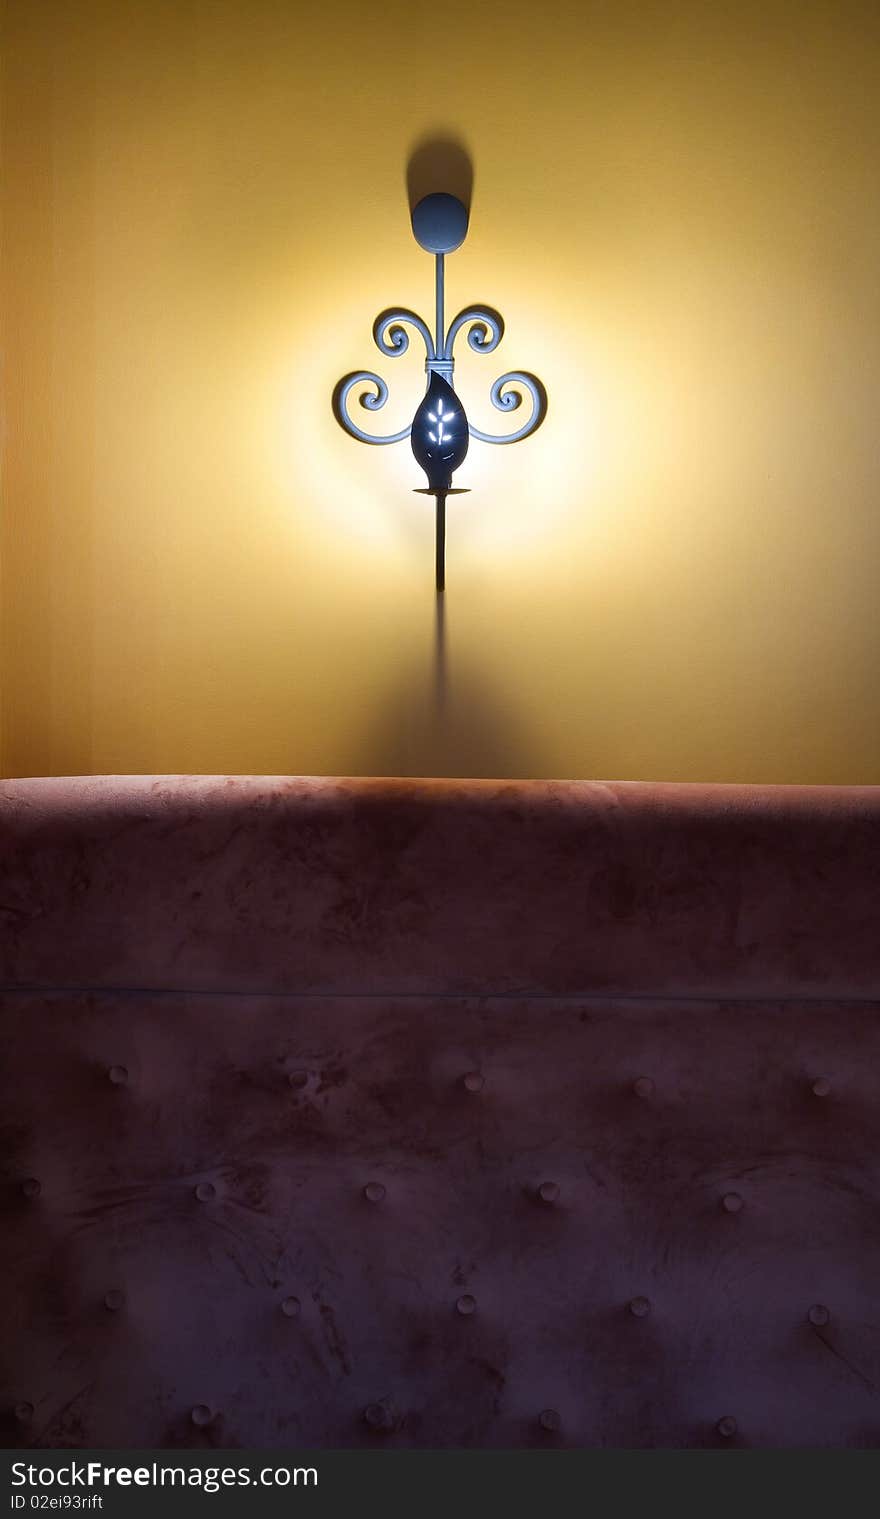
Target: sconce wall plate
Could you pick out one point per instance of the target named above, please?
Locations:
(440, 432)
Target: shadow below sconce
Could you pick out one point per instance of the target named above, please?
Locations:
(455, 722)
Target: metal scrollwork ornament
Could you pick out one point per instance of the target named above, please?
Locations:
(440, 432)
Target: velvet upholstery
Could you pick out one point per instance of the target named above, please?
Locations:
(341, 1112)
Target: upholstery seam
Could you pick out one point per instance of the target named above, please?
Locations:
(23, 990)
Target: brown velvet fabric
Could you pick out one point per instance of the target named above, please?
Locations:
(439, 1114)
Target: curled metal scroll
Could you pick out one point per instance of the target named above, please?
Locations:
(487, 330)
(369, 401)
(391, 337)
(505, 399)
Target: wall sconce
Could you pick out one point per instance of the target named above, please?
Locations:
(440, 431)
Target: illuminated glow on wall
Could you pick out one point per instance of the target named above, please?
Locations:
(675, 209)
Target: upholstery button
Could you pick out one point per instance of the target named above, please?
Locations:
(640, 1307)
(202, 1415)
(731, 1202)
(819, 1315)
(549, 1419)
(24, 1412)
(290, 1307)
(114, 1299)
(118, 1075)
(298, 1080)
(473, 1081)
(643, 1087)
(205, 1191)
(374, 1192)
(31, 1187)
(548, 1191)
(726, 1427)
(378, 1416)
(466, 1304)
(821, 1087)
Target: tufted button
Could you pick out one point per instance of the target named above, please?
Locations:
(202, 1415)
(205, 1191)
(298, 1080)
(379, 1416)
(114, 1299)
(118, 1074)
(290, 1307)
(24, 1412)
(474, 1081)
(640, 1307)
(549, 1420)
(731, 1202)
(374, 1192)
(548, 1191)
(819, 1315)
(821, 1087)
(643, 1086)
(726, 1427)
(466, 1304)
(31, 1187)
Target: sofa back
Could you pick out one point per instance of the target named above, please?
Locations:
(439, 1113)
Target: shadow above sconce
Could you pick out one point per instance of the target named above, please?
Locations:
(439, 162)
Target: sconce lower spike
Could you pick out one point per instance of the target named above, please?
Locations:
(440, 542)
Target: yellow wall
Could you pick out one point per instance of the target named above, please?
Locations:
(677, 209)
